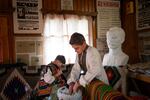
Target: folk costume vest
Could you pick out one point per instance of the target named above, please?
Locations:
(82, 61)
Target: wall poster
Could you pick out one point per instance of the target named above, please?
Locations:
(108, 16)
(66, 4)
(142, 14)
(27, 16)
(106, 9)
(29, 50)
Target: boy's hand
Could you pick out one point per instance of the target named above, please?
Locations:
(76, 86)
(71, 85)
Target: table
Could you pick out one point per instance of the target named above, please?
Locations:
(139, 82)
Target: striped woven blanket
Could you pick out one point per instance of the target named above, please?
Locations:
(98, 90)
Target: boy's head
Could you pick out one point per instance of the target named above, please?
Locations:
(78, 42)
(77, 39)
(61, 58)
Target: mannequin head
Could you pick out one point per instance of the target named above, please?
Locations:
(115, 37)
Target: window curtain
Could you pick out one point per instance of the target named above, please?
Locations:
(57, 32)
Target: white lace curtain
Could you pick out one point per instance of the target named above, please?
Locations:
(57, 32)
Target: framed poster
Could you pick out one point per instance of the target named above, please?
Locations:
(142, 14)
(66, 4)
(29, 50)
(27, 17)
(106, 9)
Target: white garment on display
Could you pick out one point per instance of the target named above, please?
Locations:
(116, 57)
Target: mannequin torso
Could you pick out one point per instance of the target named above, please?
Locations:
(115, 60)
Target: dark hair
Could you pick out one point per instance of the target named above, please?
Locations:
(61, 58)
(77, 38)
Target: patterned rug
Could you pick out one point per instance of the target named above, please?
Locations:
(15, 88)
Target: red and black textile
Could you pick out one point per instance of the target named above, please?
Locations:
(15, 89)
(113, 74)
(98, 90)
(44, 89)
(60, 80)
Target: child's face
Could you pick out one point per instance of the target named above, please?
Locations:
(58, 63)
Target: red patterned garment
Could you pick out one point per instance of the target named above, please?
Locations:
(113, 74)
(44, 89)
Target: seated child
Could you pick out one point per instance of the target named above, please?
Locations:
(53, 76)
(54, 73)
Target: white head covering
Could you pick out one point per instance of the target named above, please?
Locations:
(115, 37)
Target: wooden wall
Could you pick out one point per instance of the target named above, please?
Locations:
(129, 25)
(6, 33)
(79, 6)
(5, 6)
(84, 7)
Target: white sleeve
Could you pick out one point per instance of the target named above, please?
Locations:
(74, 75)
(48, 78)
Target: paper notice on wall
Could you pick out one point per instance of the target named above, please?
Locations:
(142, 14)
(102, 46)
(36, 60)
(25, 46)
(27, 16)
(66, 4)
(23, 58)
(108, 16)
(29, 50)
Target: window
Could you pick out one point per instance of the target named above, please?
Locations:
(57, 32)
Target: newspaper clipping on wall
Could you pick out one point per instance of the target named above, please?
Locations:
(66, 4)
(27, 16)
(142, 14)
(29, 50)
(108, 16)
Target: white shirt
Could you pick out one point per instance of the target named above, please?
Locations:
(116, 59)
(94, 68)
(48, 77)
